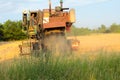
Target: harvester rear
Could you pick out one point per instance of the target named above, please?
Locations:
(47, 28)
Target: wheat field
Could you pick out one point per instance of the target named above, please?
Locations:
(87, 64)
(95, 42)
(89, 43)
(9, 50)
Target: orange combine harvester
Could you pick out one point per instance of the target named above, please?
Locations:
(41, 26)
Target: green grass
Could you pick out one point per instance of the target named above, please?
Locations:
(62, 68)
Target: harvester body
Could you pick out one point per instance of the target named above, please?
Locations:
(41, 24)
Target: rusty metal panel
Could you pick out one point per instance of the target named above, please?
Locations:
(47, 11)
(58, 19)
(54, 25)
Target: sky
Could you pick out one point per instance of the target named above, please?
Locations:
(89, 13)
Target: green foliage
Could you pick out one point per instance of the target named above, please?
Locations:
(12, 31)
(80, 31)
(102, 68)
(102, 29)
(115, 28)
(1, 32)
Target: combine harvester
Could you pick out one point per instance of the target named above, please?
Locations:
(47, 29)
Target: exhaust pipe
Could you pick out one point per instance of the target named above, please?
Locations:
(50, 7)
(61, 3)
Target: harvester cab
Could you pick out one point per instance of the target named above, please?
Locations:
(40, 25)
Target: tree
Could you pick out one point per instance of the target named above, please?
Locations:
(1, 32)
(13, 31)
(115, 28)
(80, 31)
(102, 29)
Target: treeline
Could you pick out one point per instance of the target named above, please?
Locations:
(114, 28)
(11, 30)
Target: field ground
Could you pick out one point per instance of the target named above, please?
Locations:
(95, 42)
(86, 64)
(9, 50)
(88, 43)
